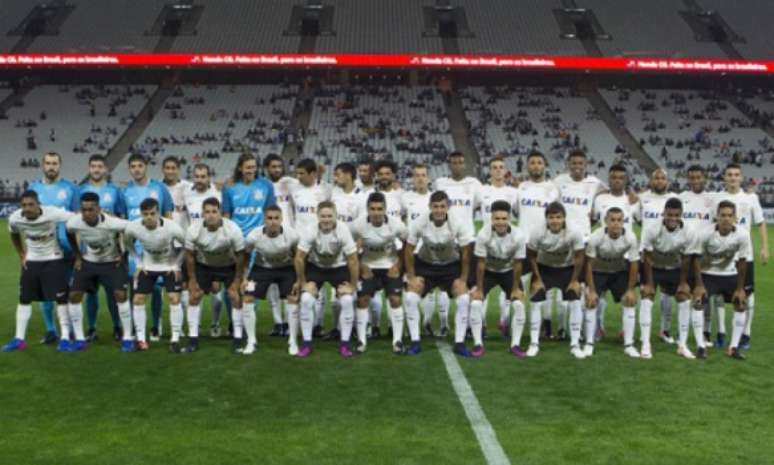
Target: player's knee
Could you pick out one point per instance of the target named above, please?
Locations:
(365, 272)
(310, 288)
(120, 296)
(247, 298)
(416, 285)
(292, 299)
(174, 298)
(395, 301)
(76, 297)
(571, 295)
(195, 297)
(459, 288)
(628, 301)
(344, 289)
(138, 299)
(682, 297)
(393, 273)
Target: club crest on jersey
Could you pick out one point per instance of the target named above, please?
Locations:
(62, 194)
(154, 195)
(107, 198)
(258, 195)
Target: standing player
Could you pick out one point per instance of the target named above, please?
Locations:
(55, 192)
(612, 263)
(112, 203)
(666, 264)
(43, 268)
(100, 264)
(326, 254)
(651, 214)
(274, 169)
(365, 176)
(500, 251)
(442, 262)
(556, 258)
(214, 254)
(748, 214)
(487, 195)
(177, 187)
(577, 191)
(274, 245)
(380, 238)
(159, 259)
(463, 191)
(139, 189)
(719, 269)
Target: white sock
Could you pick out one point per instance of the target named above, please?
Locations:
(666, 312)
(140, 319)
(629, 320)
(601, 307)
(683, 321)
(475, 318)
(176, 321)
(292, 310)
(276, 304)
(375, 309)
(396, 318)
(125, 313)
(76, 320)
(361, 324)
(248, 322)
(721, 309)
(307, 316)
(750, 313)
(590, 319)
(740, 319)
(576, 321)
(428, 308)
(185, 297)
(237, 319)
(412, 315)
(709, 310)
(563, 309)
(23, 314)
(646, 317)
(64, 321)
(217, 305)
(517, 323)
(336, 312)
(319, 308)
(346, 317)
(697, 317)
(443, 309)
(194, 314)
(505, 310)
(535, 318)
(461, 318)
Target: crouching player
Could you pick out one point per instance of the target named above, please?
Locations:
(274, 246)
(377, 236)
(720, 268)
(214, 250)
(612, 263)
(556, 258)
(326, 254)
(500, 251)
(160, 260)
(43, 268)
(99, 263)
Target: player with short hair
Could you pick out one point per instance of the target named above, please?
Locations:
(159, 259)
(720, 267)
(214, 249)
(500, 251)
(100, 264)
(378, 237)
(365, 176)
(274, 245)
(44, 271)
(612, 264)
(556, 258)
(666, 265)
(442, 262)
(326, 254)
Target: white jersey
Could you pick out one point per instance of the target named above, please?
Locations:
(349, 205)
(748, 213)
(606, 201)
(697, 210)
(578, 199)
(557, 250)
(305, 201)
(651, 211)
(194, 199)
(463, 195)
(158, 245)
(282, 189)
(489, 194)
(718, 254)
(99, 242)
(611, 255)
(414, 205)
(440, 244)
(327, 250)
(215, 248)
(500, 251)
(533, 198)
(273, 252)
(40, 234)
(363, 188)
(379, 245)
(177, 192)
(667, 247)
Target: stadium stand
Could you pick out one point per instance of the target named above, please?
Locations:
(751, 20)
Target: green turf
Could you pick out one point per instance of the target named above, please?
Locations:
(213, 407)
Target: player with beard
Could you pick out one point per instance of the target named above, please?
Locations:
(365, 176)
